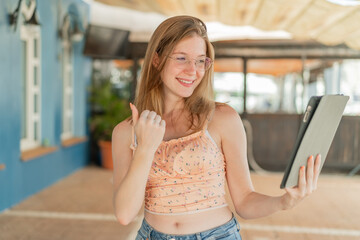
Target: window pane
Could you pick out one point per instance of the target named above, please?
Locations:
(35, 75)
(68, 85)
(36, 131)
(69, 57)
(350, 85)
(70, 79)
(262, 93)
(65, 125)
(69, 102)
(66, 100)
(23, 119)
(69, 123)
(35, 48)
(35, 103)
(24, 95)
(228, 87)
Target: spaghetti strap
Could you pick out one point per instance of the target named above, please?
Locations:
(208, 119)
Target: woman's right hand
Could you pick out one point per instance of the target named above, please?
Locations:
(149, 129)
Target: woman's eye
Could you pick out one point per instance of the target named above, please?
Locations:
(201, 61)
(181, 59)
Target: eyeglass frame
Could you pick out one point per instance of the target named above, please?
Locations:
(210, 61)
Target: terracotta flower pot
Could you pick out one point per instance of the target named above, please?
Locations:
(106, 154)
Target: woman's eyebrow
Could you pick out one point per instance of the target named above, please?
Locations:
(201, 55)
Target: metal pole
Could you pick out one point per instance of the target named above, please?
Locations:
(305, 79)
(245, 84)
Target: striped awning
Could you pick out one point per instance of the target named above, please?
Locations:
(325, 21)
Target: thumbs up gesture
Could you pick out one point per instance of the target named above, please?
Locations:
(149, 128)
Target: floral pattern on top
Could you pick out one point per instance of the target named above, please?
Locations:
(187, 175)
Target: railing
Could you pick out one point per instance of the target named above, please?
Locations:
(272, 137)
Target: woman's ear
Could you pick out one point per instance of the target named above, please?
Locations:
(156, 60)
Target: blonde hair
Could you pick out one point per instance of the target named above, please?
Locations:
(163, 41)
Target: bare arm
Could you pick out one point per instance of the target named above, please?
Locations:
(131, 171)
(249, 203)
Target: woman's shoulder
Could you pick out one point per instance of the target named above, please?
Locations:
(224, 112)
(225, 122)
(224, 116)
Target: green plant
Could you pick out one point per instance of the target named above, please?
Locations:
(108, 110)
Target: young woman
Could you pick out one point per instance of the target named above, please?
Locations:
(180, 147)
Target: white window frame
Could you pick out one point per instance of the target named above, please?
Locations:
(31, 35)
(68, 92)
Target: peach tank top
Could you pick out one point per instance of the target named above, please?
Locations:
(187, 176)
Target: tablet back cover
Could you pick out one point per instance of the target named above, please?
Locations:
(315, 135)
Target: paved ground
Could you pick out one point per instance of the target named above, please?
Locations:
(79, 207)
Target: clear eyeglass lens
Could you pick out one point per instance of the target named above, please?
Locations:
(201, 64)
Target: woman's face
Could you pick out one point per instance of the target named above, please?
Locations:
(181, 75)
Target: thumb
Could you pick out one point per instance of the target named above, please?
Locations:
(135, 113)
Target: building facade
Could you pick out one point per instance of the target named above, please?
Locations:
(44, 79)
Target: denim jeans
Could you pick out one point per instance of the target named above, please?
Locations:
(227, 231)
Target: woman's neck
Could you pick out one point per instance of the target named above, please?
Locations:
(173, 105)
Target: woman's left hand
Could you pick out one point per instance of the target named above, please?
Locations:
(308, 178)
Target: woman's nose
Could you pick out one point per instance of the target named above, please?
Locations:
(191, 66)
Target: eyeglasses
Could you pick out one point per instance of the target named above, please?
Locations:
(201, 64)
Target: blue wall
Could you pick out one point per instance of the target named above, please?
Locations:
(22, 179)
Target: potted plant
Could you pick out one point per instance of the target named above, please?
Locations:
(108, 109)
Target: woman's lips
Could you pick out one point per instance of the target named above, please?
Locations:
(185, 82)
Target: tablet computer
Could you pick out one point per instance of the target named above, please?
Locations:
(316, 133)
